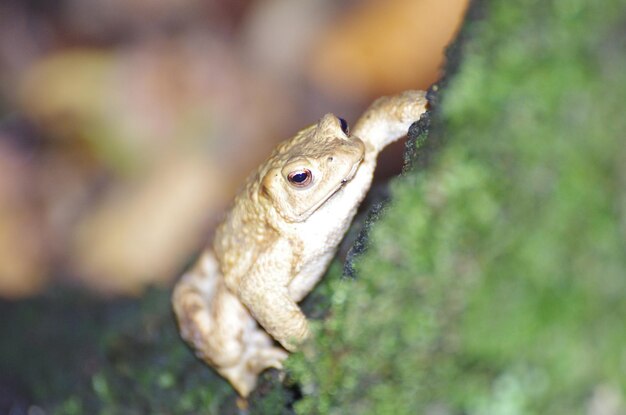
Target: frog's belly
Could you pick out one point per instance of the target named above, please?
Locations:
(318, 245)
(309, 276)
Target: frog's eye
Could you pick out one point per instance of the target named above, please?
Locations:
(300, 177)
(344, 126)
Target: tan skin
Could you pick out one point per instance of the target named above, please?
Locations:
(278, 239)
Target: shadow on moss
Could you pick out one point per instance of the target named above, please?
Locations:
(71, 354)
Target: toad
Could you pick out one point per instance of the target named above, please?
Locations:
(238, 306)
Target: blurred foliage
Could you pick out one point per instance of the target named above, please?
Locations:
(126, 126)
(373, 49)
(496, 281)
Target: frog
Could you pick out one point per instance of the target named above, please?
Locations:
(237, 307)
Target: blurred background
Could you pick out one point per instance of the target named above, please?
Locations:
(127, 126)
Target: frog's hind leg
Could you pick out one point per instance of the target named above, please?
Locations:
(220, 329)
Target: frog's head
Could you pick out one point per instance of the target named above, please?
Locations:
(310, 168)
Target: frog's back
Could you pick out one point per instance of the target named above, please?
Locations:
(249, 226)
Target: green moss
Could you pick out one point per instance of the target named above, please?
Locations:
(495, 282)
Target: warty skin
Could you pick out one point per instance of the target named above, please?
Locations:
(278, 238)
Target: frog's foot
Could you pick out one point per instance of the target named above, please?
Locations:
(220, 329)
(259, 355)
(389, 118)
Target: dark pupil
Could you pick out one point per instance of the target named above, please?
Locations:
(344, 125)
(299, 177)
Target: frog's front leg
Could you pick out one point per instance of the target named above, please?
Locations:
(264, 290)
(389, 118)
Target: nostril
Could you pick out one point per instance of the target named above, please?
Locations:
(330, 159)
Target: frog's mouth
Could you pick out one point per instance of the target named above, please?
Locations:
(355, 167)
(350, 175)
